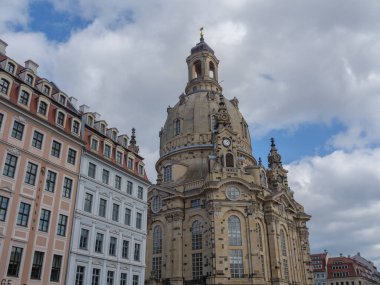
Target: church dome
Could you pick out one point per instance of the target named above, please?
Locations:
(193, 120)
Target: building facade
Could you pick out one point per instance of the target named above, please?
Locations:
(40, 149)
(109, 235)
(216, 214)
(319, 265)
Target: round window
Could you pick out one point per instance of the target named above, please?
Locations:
(156, 204)
(233, 193)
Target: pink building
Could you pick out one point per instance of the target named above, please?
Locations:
(40, 152)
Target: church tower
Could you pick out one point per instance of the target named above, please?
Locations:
(216, 215)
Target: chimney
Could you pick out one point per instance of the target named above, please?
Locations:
(3, 46)
(84, 109)
(31, 65)
(74, 101)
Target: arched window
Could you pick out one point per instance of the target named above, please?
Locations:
(197, 69)
(196, 235)
(42, 108)
(168, 173)
(4, 85)
(245, 130)
(229, 160)
(234, 231)
(283, 243)
(157, 239)
(211, 70)
(177, 127)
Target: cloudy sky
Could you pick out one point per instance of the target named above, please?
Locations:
(305, 72)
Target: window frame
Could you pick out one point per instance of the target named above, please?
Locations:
(17, 132)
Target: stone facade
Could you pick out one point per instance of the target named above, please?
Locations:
(216, 214)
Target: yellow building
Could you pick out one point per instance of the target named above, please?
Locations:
(217, 216)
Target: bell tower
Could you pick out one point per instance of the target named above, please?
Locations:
(202, 68)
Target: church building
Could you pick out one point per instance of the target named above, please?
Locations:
(216, 214)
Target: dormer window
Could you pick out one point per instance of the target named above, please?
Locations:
(107, 150)
(62, 100)
(130, 163)
(90, 121)
(102, 128)
(42, 108)
(29, 79)
(4, 86)
(125, 142)
(75, 127)
(94, 144)
(10, 67)
(141, 169)
(119, 157)
(61, 118)
(114, 135)
(46, 90)
(24, 98)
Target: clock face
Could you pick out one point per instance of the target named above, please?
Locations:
(226, 142)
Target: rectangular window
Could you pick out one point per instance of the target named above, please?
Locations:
(112, 246)
(75, 127)
(195, 203)
(236, 263)
(94, 144)
(38, 261)
(95, 276)
(37, 140)
(14, 261)
(117, 182)
(56, 149)
(67, 187)
(46, 90)
(62, 225)
(4, 202)
(24, 98)
(135, 280)
(23, 214)
(10, 165)
(91, 170)
(125, 249)
(61, 119)
(44, 220)
(50, 181)
(83, 241)
(71, 156)
(62, 100)
(88, 203)
(1, 119)
(18, 130)
(105, 176)
(10, 68)
(107, 151)
(115, 212)
(138, 220)
(141, 169)
(129, 187)
(79, 276)
(119, 156)
(31, 173)
(197, 265)
(110, 276)
(56, 268)
(140, 192)
(156, 266)
(102, 207)
(136, 255)
(130, 163)
(123, 278)
(99, 242)
(286, 269)
(127, 217)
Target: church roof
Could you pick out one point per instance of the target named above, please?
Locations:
(202, 46)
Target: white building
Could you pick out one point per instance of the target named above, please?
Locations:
(109, 231)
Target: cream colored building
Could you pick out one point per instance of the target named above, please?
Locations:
(217, 216)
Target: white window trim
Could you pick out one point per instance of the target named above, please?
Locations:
(119, 149)
(26, 89)
(31, 74)
(6, 64)
(130, 155)
(10, 80)
(56, 117)
(93, 120)
(97, 139)
(73, 119)
(47, 101)
(110, 144)
(43, 86)
(51, 145)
